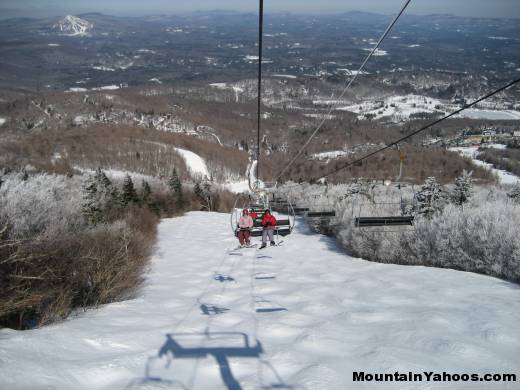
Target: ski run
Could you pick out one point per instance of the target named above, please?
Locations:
(302, 315)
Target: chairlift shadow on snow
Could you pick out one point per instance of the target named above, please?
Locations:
(269, 306)
(210, 310)
(223, 278)
(260, 276)
(219, 345)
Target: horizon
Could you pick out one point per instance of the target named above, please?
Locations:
(500, 9)
(49, 15)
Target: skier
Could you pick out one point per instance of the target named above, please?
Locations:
(245, 223)
(269, 224)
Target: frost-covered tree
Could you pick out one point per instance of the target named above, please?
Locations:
(99, 195)
(175, 186)
(514, 194)
(91, 207)
(462, 190)
(129, 194)
(203, 191)
(430, 198)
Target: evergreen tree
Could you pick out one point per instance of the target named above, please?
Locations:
(129, 194)
(462, 190)
(24, 175)
(146, 193)
(147, 199)
(99, 196)
(514, 194)
(175, 186)
(91, 208)
(430, 198)
(203, 191)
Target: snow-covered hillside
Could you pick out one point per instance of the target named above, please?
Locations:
(73, 26)
(303, 315)
(397, 108)
(195, 164)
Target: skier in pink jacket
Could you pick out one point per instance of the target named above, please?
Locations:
(245, 224)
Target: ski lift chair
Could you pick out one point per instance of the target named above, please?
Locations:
(284, 225)
(323, 212)
(385, 216)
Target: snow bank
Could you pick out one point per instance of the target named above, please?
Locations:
(195, 164)
(302, 315)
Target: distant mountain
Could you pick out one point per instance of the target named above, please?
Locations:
(72, 25)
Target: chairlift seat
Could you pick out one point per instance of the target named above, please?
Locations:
(406, 220)
(317, 214)
(280, 222)
(282, 228)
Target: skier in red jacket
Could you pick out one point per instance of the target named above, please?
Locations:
(269, 224)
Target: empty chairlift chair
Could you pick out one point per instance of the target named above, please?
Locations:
(385, 216)
(323, 210)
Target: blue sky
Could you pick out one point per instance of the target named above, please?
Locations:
(491, 8)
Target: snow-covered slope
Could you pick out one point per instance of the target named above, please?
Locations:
(195, 164)
(72, 25)
(302, 315)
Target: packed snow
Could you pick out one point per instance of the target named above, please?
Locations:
(303, 315)
(472, 152)
(74, 26)
(195, 164)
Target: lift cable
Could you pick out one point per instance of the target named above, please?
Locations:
(320, 125)
(259, 112)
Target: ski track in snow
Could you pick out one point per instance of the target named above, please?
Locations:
(321, 316)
